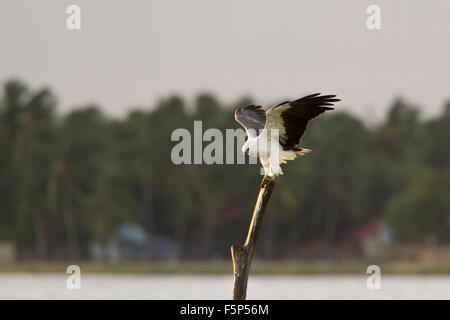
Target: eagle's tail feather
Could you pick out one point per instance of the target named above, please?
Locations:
(302, 152)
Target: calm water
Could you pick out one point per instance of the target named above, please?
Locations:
(44, 286)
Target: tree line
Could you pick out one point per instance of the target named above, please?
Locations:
(67, 181)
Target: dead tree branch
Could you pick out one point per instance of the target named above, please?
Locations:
(242, 255)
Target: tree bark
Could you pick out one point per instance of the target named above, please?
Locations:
(242, 255)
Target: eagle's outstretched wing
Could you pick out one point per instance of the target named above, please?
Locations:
(252, 118)
(291, 117)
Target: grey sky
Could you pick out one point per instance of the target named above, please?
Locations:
(131, 53)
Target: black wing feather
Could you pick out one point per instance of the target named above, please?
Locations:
(300, 112)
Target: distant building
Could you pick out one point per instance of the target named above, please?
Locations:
(370, 237)
(7, 252)
(133, 243)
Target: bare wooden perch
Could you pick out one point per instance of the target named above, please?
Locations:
(242, 255)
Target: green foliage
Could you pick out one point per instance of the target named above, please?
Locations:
(421, 211)
(68, 181)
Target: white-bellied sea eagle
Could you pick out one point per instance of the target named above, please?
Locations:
(273, 135)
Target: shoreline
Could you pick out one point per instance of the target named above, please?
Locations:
(226, 268)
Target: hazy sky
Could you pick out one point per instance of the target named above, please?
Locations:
(131, 53)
